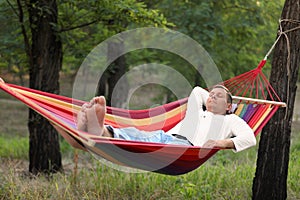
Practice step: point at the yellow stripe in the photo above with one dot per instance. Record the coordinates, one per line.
(239, 109)
(136, 122)
(114, 118)
(263, 117)
(49, 99)
(61, 124)
(146, 121)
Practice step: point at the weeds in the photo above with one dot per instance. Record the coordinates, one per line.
(95, 180)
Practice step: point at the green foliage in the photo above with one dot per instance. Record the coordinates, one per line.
(12, 53)
(248, 31)
(81, 26)
(85, 24)
(236, 33)
(196, 19)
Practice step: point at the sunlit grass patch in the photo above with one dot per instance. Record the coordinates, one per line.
(17, 147)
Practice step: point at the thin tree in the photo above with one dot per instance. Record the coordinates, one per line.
(270, 180)
(112, 75)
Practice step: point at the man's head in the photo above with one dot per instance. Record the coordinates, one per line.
(219, 100)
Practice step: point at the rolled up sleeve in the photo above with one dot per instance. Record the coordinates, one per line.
(243, 136)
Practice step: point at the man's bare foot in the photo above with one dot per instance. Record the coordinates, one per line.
(82, 118)
(95, 116)
(93, 100)
(1, 80)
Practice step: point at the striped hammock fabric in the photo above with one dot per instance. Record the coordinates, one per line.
(162, 158)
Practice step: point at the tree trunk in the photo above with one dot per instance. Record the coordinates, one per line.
(114, 96)
(270, 180)
(46, 51)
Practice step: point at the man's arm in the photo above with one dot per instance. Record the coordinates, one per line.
(197, 99)
(191, 125)
(223, 144)
(243, 136)
(187, 127)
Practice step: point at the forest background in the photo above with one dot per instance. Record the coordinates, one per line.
(237, 35)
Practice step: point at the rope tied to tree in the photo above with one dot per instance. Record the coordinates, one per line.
(288, 64)
(280, 34)
(254, 83)
(283, 33)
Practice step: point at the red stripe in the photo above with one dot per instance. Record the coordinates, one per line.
(274, 109)
(261, 110)
(132, 114)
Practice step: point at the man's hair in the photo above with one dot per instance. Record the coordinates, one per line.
(229, 95)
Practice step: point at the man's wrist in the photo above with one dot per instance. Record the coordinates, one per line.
(226, 143)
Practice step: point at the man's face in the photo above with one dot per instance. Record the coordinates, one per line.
(217, 101)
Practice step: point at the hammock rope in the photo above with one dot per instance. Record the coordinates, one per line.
(281, 33)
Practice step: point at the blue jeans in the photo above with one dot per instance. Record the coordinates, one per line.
(158, 136)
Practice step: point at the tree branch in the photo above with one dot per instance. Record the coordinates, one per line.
(13, 9)
(240, 8)
(78, 26)
(26, 40)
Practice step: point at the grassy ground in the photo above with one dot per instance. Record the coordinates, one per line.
(225, 176)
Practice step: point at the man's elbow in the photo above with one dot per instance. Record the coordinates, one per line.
(253, 141)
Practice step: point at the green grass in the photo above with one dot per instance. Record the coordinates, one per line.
(101, 182)
(294, 168)
(16, 148)
(225, 176)
(13, 117)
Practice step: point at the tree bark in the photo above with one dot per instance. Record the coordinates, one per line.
(270, 180)
(112, 75)
(46, 60)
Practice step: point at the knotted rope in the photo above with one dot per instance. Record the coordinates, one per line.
(288, 65)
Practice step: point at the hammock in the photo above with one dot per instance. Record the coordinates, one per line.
(162, 158)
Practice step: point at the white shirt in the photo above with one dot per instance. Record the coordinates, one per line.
(198, 125)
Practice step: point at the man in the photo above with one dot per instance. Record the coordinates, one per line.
(213, 127)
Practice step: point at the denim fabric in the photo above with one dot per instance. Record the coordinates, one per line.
(158, 136)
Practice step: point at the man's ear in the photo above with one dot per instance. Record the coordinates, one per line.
(229, 107)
